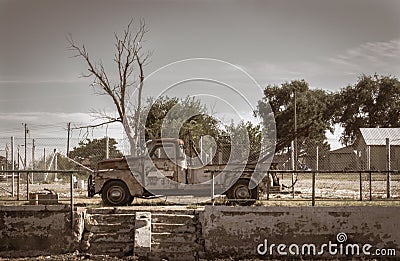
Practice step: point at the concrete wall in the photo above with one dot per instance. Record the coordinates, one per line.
(212, 232)
(38, 230)
(238, 231)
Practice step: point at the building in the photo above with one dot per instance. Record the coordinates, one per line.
(372, 151)
(341, 159)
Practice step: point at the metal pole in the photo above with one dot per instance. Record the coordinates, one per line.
(295, 130)
(107, 147)
(19, 176)
(55, 164)
(44, 164)
(369, 157)
(212, 188)
(12, 167)
(33, 158)
(27, 186)
(313, 189)
(293, 167)
(370, 186)
(317, 167)
(6, 149)
(268, 184)
(44, 158)
(68, 135)
(26, 132)
(361, 186)
(388, 167)
(71, 191)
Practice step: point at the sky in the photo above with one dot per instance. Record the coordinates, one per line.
(327, 43)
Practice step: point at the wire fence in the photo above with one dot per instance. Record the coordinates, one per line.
(51, 153)
(38, 153)
(349, 173)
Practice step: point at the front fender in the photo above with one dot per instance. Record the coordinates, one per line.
(101, 178)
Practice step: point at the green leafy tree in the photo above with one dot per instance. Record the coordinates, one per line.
(239, 133)
(200, 125)
(192, 129)
(374, 101)
(89, 152)
(314, 115)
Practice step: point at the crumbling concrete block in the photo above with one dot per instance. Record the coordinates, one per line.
(142, 245)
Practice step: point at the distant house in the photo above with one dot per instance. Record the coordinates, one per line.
(372, 151)
(341, 159)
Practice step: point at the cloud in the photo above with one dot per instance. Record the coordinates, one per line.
(53, 124)
(368, 58)
(337, 71)
(40, 81)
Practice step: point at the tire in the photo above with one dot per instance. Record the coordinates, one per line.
(241, 194)
(115, 193)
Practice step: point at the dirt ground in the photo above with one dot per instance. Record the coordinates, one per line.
(341, 189)
(77, 256)
(331, 189)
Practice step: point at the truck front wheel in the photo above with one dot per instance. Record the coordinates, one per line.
(241, 194)
(115, 193)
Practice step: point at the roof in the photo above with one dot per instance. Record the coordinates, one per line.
(344, 150)
(377, 136)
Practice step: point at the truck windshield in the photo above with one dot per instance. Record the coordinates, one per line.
(163, 152)
(181, 152)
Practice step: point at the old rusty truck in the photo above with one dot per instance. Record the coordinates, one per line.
(163, 170)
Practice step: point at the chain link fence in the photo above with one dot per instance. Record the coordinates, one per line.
(348, 173)
(18, 153)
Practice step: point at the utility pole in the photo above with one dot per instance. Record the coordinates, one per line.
(68, 137)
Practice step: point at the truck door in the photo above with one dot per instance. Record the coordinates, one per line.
(159, 157)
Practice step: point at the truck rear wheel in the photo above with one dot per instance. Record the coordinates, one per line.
(241, 194)
(115, 193)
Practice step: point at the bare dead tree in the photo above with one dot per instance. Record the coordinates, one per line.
(130, 60)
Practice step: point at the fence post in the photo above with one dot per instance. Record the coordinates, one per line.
(27, 186)
(12, 167)
(313, 189)
(293, 166)
(388, 168)
(44, 164)
(370, 186)
(212, 188)
(19, 174)
(71, 191)
(361, 186)
(107, 147)
(33, 158)
(55, 164)
(268, 184)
